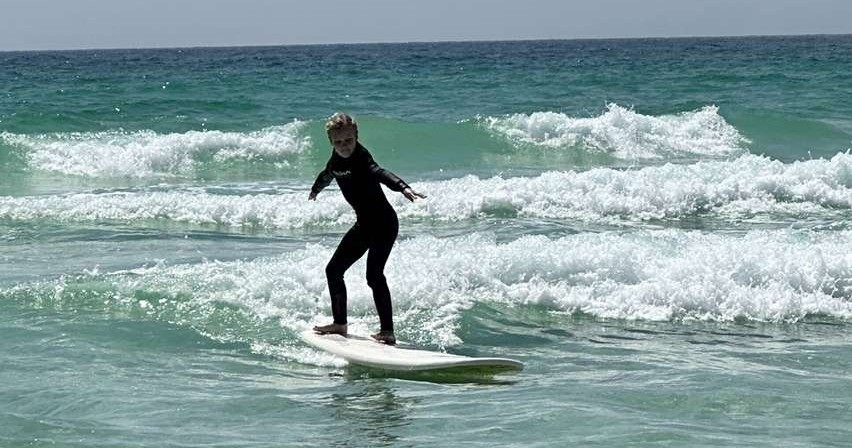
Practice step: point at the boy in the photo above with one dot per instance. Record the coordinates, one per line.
(375, 229)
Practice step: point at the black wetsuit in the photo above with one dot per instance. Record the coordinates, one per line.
(375, 229)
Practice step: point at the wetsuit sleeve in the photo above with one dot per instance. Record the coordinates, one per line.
(384, 176)
(323, 179)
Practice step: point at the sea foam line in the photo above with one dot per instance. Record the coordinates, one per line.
(149, 154)
(624, 133)
(732, 189)
(773, 276)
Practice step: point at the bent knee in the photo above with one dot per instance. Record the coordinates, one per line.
(376, 279)
(333, 272)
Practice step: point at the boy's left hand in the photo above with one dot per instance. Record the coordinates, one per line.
(411, 194)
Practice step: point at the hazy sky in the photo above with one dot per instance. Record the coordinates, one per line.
(63, 24)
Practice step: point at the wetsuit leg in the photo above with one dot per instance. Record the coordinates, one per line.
(381, 243)
(351, 248)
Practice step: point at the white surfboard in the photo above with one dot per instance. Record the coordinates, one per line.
(365, 351)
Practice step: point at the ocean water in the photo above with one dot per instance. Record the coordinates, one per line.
(660, 229)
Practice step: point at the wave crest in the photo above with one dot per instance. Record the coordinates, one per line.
(741, 188)
(774, 276)
(146, 153)
(624, 133)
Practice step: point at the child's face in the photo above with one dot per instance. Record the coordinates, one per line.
(344, 141)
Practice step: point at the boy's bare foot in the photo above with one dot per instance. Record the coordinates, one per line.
(332, 329)
(384, 337)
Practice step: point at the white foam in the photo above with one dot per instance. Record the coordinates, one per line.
(730, 189)
(775, 276)
(765, 275)
(288, 211)
(625, 133)
(146, 153)
(298, 353)
(746, 185)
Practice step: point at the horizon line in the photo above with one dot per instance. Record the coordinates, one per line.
(448, 41)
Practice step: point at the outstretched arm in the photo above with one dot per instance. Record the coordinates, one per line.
(323, 179)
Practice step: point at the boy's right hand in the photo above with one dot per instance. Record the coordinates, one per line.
(312, 196)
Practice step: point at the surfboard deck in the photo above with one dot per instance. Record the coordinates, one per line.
(365, 351)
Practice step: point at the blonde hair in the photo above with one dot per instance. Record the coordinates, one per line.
(339, 121)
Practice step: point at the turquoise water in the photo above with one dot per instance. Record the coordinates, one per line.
(659, 229)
